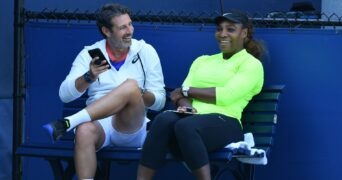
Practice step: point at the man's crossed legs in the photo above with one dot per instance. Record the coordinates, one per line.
(123, 123)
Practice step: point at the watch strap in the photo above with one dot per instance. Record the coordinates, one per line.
(87, 77)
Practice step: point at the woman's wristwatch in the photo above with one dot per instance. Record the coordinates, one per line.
(185, 91)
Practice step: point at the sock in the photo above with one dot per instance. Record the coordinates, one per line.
(76, 119)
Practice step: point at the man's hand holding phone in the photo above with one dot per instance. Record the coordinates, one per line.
(98, 58)
(98, 64)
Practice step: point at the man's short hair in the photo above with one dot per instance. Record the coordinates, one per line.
(107, 12)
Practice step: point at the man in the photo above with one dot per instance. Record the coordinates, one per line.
(119, 89)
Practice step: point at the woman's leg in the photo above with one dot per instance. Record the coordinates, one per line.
(199, 134)
(156, 144)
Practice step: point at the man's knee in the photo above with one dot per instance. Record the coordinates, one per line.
(131, 84)
(131, 87)
(86, 132)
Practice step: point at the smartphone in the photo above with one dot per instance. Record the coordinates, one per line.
(97, 53)
(188, 111)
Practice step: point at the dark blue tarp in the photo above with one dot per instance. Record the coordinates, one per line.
(6, 89)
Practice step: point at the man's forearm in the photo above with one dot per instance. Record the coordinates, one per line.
(81, 84)
(148, 98)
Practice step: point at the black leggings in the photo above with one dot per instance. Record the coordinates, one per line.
(189, 136)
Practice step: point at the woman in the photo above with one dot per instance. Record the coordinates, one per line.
(216, 90)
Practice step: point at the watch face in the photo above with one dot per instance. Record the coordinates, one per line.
(185, 91)
(87, 77)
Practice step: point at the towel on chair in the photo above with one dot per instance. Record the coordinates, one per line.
(253, 155)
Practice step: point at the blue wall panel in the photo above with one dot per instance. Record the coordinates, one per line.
(304, 60)
(6, 88)
(307, 62)
(50, 50)
(5, 139)
(6, 50)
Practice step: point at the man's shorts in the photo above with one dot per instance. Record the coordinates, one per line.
(116, 138)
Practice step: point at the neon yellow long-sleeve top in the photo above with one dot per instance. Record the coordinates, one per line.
(236, 80)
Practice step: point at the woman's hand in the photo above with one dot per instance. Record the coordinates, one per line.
(176, 95)
(186, 109)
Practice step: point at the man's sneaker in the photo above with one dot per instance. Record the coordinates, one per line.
(56, 129)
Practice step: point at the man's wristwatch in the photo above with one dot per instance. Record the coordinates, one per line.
(185, 91)
(87, 77)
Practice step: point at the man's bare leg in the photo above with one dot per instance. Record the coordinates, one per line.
(89, 137)
(202, 173)
(126, 103)
(145, 173)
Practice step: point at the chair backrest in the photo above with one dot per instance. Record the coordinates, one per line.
(260, 116)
